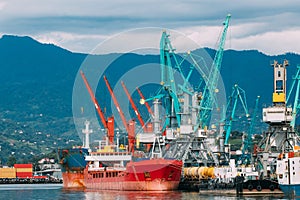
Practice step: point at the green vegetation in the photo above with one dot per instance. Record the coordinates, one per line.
(34, 137)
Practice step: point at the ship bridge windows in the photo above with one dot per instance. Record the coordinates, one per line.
(98, 175)
(112, 174)
(108, 174)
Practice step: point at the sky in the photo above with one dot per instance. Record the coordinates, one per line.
(270, 26)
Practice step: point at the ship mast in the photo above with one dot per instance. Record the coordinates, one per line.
(87, 131)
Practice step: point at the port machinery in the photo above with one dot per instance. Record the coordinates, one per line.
(185, 135)
(280, 135)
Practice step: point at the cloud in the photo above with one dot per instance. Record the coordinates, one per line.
(2, 5)
(272, 43)
(77, 24)
(71, 41)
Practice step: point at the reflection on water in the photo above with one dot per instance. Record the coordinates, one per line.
(30, 186)
(172, 195)
(55, 191)
(129, 195)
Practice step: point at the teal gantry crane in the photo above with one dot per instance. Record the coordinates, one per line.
(296, 105)
(211, 88)
(247, 148)
(237, 94)
(168, 80)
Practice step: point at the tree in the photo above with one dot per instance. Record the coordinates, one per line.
(11, 160)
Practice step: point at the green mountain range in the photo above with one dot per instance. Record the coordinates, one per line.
(37, 83)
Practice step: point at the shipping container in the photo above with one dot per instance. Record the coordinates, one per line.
(7, 173)
(24, 170)
(22, 165)
(24, 175)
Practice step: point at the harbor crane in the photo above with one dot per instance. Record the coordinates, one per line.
(237, 94)
(137, 113)
(130, 127)
(146, 103)
(211, 88)
(280, 135)
(247, 147)
(168, 82)
(296, 105)
(109, 123)
(248, 144)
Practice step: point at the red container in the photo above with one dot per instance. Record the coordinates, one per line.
(22, 165)
(291, 154)
(24, 175)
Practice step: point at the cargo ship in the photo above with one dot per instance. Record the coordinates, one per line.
(114, 168)
(109, 170)
(288, 173)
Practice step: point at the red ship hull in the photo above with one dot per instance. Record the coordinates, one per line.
(145, 175)
(73, 179)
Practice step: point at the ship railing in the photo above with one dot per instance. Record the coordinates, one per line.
(115, 168)
(109, 157)
(92, 168)
(109, 153)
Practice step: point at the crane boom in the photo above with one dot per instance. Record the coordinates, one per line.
(293, 84)
(109, 123)
(168, 80)
(116, 104)
(211, 89)
(236, 94)
(248, 145)
(134, 107)
(296, 100)
(96, 104)
(146, 103)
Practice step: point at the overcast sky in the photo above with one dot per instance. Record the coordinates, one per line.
(270, 26)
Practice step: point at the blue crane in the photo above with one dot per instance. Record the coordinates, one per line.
(296, 105)
(237, 94)
(167, 79)
(211, 88)
(247, 143)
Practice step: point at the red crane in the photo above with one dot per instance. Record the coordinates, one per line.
(149, 124)
(108, 124)
(130, 129)
(146, 103)
(134, 107)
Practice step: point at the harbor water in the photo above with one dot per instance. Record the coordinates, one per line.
(55, 191)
